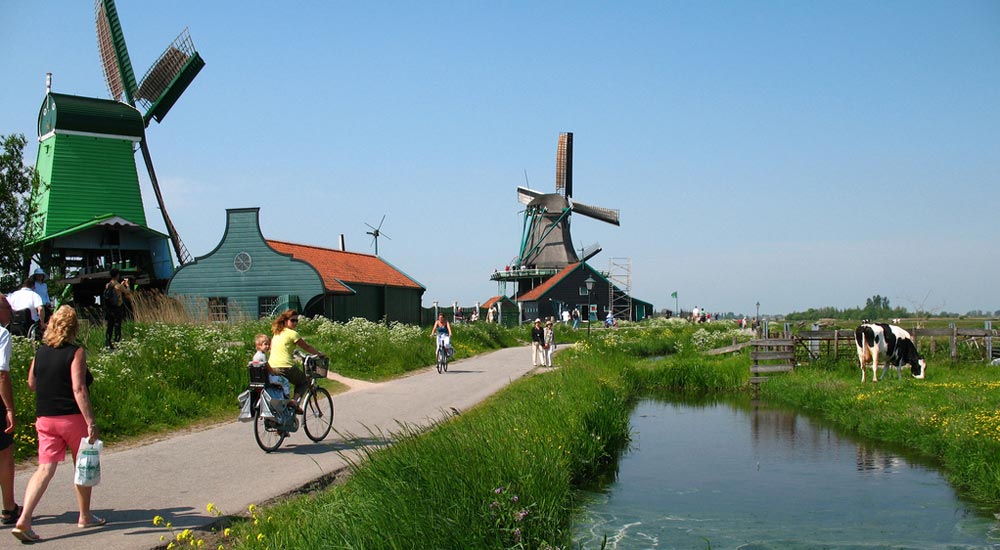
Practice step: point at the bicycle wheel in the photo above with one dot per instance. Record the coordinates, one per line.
(268, 437)
(441, 357)
(35, 332)
(445, 365)
(318, 417)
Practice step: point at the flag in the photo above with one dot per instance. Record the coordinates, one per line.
(674, 295)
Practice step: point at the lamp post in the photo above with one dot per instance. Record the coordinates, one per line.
(435, 311)
(589, 281)
(757, 318)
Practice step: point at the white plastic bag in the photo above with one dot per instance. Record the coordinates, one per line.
(88, 463)
(246, 413)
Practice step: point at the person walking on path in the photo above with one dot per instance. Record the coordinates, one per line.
(576, 318)
(11, 511)
(549, 343)
(61, 381)
(537, 341)
(114, 310)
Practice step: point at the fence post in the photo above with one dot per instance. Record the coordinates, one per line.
(953, 341)
(989, 341)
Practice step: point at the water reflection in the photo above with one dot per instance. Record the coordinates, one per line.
(742, 475)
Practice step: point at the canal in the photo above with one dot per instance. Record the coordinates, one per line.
(734, 475)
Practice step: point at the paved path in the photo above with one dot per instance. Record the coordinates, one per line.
(177, 477)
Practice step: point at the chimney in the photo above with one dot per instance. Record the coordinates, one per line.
(343, 247)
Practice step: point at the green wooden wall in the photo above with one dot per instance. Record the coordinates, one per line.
(83, 177)
(270, 274)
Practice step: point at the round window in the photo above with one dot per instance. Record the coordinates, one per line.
(242, 262)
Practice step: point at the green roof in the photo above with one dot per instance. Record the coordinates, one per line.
(71, 113)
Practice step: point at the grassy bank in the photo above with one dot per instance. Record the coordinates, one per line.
(167, 376)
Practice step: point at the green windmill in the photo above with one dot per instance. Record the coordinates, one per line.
(89, 212)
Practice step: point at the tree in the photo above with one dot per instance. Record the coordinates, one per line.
(16, 212)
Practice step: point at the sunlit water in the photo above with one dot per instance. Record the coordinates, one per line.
(726, 476)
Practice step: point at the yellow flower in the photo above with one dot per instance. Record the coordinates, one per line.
(211, 508)
(226, 532)
(158, 520)
(260, 537)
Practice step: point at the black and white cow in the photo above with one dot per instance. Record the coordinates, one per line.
(874, 339)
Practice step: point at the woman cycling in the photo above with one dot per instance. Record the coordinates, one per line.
(443, 330)
(283, 344)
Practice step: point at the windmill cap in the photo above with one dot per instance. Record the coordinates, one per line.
(39, 271)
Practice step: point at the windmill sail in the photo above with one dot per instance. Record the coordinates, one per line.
(114, 55)
(564, 165)
(609, 215)
(167, 79)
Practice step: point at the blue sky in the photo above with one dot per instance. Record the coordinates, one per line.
(799, 154)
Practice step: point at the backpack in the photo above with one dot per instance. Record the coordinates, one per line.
(111, 298)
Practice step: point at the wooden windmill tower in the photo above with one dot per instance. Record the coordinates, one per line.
(546, 243)
(90, 216)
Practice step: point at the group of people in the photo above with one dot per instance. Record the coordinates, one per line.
(571, 315)
(543, 343)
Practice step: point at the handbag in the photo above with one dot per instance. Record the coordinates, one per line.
(88, 463)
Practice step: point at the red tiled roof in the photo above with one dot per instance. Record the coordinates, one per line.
(339, 269)
(537, 292)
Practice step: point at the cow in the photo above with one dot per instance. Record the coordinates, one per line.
(874, 339)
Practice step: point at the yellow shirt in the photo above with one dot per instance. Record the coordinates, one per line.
(282, 346)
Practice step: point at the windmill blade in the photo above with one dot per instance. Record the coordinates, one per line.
(114, 54)
(564, 165)
(609, 215)
(167, 79)
(525, 195)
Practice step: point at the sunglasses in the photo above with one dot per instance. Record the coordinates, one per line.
(294, 319)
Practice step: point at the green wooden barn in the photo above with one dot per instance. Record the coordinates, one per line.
(248, 276)
(89, 212)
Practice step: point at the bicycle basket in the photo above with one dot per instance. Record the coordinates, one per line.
(317, 366)
(258, 374)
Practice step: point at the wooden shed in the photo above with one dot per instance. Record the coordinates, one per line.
(247, 275)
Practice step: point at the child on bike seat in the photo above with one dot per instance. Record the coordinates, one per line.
(263, 344)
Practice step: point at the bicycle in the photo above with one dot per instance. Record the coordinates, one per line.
(274, 418)
(442, 356)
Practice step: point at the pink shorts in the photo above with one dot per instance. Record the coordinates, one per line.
(56, 434)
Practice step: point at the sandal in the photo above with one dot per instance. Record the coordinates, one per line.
(25, 535)
(10, 517)
(94, 522)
